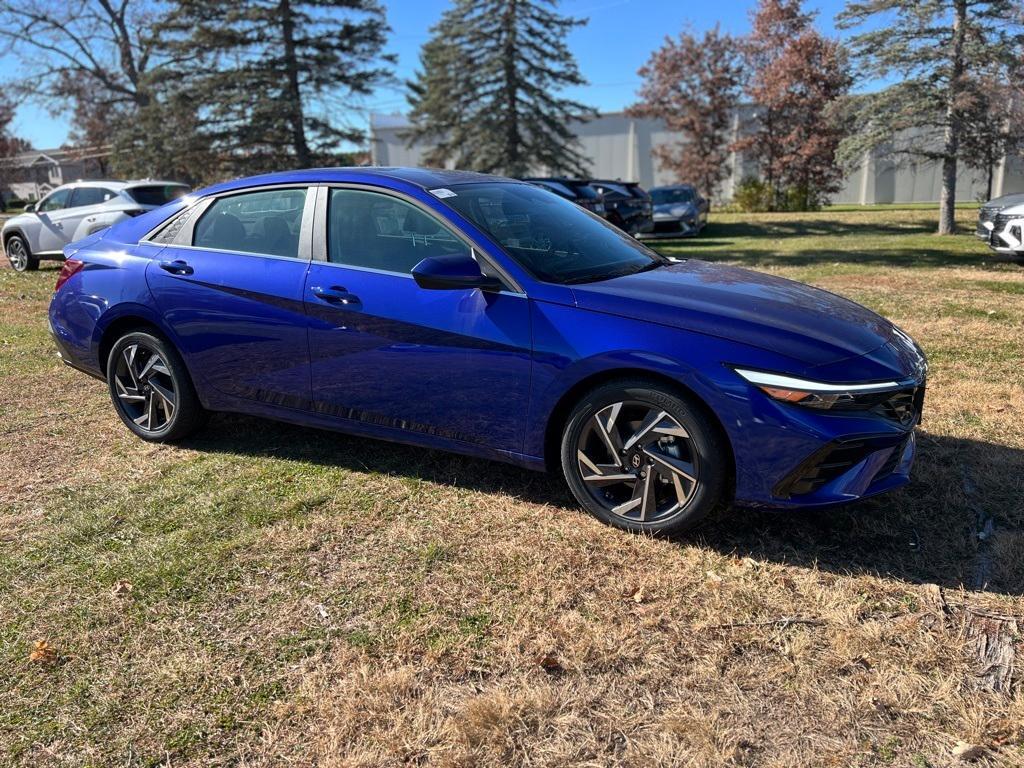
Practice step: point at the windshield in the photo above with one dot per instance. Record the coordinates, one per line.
(157, 194)
(551, 238)
(672, 195)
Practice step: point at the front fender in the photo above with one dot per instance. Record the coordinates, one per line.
(572, 346)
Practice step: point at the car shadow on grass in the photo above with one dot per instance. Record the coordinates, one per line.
(926, 532)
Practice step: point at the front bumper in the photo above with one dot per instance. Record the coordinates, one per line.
(790, 456)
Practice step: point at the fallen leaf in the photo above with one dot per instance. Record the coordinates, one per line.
(122, 588)
(713, 577)
(549, 663)
(43, 653)
(965, 751)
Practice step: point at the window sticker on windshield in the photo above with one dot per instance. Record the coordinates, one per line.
(442, 193)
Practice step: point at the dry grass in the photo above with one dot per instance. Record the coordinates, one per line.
(305, 598)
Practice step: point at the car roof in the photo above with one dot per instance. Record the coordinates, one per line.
(425, 178)
(674, 186)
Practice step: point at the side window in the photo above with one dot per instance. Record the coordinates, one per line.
(82, 196)
(368, 229)
(265, 222)
(56, 201)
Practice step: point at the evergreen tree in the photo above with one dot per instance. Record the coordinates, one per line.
(932, 48)
(273, 74)
(692, 85)
(487, 97)
(796, 78)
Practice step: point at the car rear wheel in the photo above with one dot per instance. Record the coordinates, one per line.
(19, 255)
(151, 389)
(642, 458)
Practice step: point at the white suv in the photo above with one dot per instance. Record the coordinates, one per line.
(74, 211)
(1001, 224)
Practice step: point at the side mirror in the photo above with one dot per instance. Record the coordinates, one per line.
(451, 273)
(30, 208)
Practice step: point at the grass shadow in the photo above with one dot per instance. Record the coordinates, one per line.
(924, 533)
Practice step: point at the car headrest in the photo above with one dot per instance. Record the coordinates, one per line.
(419, 223)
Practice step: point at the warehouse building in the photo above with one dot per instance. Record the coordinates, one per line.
(620, 147)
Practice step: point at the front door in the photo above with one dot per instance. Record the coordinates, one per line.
(233, 295)
(450, 363)
(54, 212)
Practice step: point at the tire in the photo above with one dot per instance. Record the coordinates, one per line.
(665, 443)
(19, 255)
(151, 389)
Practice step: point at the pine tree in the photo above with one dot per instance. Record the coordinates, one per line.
(692, 85)
(932, 48)
(272, 75)
(796, 78)
(488, 94)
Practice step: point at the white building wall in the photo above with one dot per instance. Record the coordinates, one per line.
(621, 147)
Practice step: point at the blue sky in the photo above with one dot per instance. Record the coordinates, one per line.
(617, 40)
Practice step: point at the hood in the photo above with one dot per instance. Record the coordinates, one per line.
(667, 209)
(807, 324)
(1006, 201)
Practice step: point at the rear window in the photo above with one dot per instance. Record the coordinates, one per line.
(557, 187)
(157, 194)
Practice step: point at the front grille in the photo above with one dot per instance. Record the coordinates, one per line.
(987, 214)
(1000, 223)
(667, 226)
(901, 406)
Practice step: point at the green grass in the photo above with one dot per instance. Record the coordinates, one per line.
(306, 597)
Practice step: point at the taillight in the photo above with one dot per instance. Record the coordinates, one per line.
(71, 267)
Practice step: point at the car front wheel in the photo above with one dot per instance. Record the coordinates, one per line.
(643, 458)
(19, 255)
(151, 388)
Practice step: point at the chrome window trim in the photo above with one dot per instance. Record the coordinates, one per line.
(511, 288)
(183, 239)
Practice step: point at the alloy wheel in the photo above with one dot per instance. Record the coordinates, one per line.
(638, 462)
(17, 254)
(145, 388)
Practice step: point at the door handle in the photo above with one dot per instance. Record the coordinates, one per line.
(335, 295)
(177, 267)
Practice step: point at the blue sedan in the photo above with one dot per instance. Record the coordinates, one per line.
(489, 317)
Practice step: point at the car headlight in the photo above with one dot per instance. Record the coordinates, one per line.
(817, 394)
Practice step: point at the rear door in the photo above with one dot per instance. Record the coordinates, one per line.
(230, 287)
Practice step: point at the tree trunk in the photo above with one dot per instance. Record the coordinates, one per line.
(954, 126)
(303, 157)
(991, 168)
(513, 162)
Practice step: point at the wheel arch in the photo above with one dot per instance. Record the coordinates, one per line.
(559, 415)
(9, 233)
(121, 319)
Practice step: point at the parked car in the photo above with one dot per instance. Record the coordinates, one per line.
(679, 211)
(629, 207)
(1001, 224)
(74, 211)
(577, 190)
(485, 316)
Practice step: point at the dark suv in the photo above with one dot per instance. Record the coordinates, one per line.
(577, 190)
(628, 206)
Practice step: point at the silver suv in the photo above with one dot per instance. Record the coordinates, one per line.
(76, 210)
